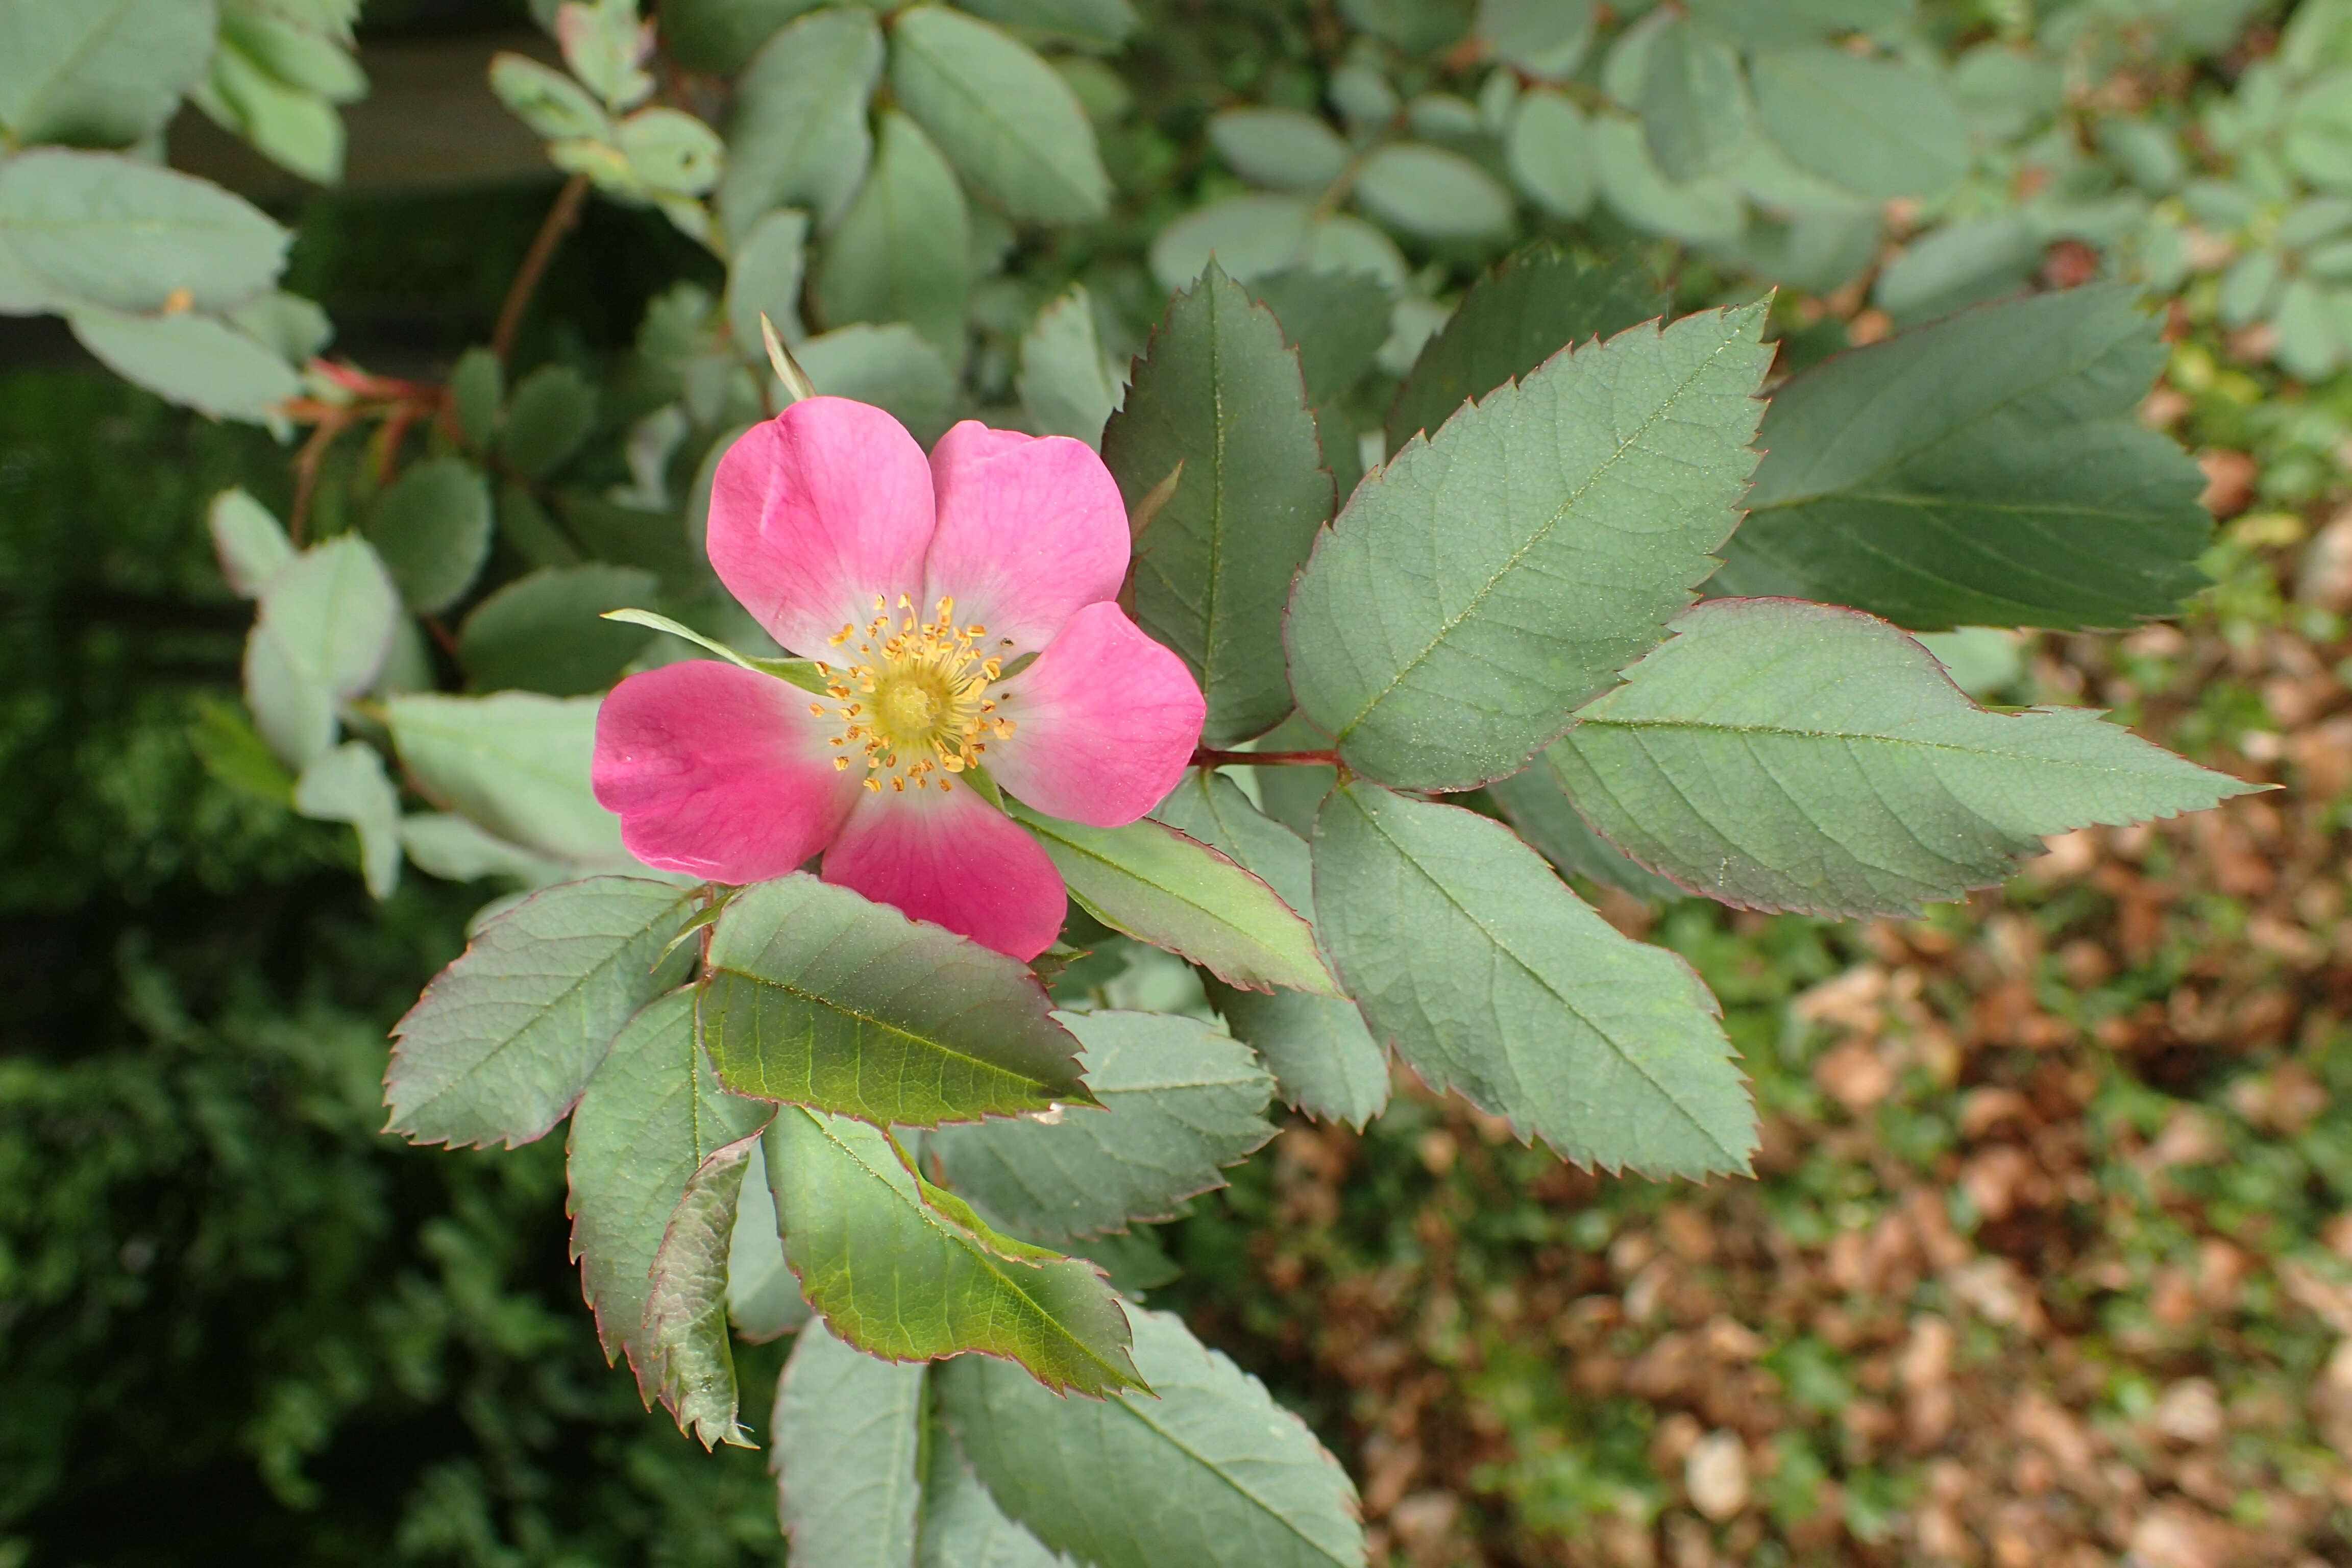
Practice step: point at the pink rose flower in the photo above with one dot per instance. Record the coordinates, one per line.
(921, 588)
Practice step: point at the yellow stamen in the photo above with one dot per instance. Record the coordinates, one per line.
(915, 697)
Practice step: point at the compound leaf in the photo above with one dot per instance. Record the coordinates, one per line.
(798, 136)
(849, 1437)
(1004, 115)
(115, 231)
(690, 1363)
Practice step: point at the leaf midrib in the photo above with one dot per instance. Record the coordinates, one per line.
(986, 112)
(938, 1047)
(1142, 1418)
(1790, 732)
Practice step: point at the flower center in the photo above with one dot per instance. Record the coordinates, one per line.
(913, 702)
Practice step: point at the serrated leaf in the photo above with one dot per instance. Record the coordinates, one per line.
(1066, 386)
(763, 1299)
(1001, 113)
(899, 1268)
(550, 414)
(99, 73)
(1210, 1472)
(349, 785)
(1694, 102)
(1218, 391)
(1432, 193)
(902, 252)
(1985, 470)
(798, 136)
(1287, 149)
(544, 632)
(690, 1362)
(1880, 128)
(1490, 977)
(193, 361)
(891, 366)
(1493, 577)
(1539, 301)
(962, 1526)
(120, 232)
(1775, 755)
(1337, 321)
(432, 528)
(1537, 804)
(848, 1442)
(1548, 147)
(652, 1113)
(515, 764)
(506, 1037)
(1155, 884)
(1179, 1101)
(815, 996)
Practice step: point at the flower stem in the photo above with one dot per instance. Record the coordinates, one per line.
(1209, 757)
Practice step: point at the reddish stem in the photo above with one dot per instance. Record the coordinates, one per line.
(560, 218)
(1209, 757)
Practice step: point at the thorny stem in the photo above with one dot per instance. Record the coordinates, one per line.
(559, 221)
(1209, 757)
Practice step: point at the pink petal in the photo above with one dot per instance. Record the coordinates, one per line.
(717, 771)
(814, 512)
(1105, 722)
(955, 860)
(1030, 530)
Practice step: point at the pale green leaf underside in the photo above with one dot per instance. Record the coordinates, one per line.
(894, 1269)
(504, 1039)
(816, 996)
(1212, 1472)
(691, 1362)
(1180, 1100)
(848, 1434)
(962, 1526)
(1496, 575)
(515, 763)
(1777, 754)
(1489, 976)
(1536, 804)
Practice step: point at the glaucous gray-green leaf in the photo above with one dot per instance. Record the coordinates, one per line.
(1218, 392)
(1754, 26)
(815, 996)
(1337, 321)
(1704, 211)
(764, 276)
(444, 845)
(1537, 805)
(1156, 884)
(515, 764)
(891, 366)
(1694, 102)
(1179, 1101)
(962, 1526)
(1493, 577)
(630, 535)
(99, 73)
(544, 632)
(1066, 386)
(1548, 147)
(323, 633)
(652, 1113)
(1325, 1061)
(1984, 470)
(1210, 1472)
(248, 540)
(432, 526)
(1267, 231)
(349, 785)
(1781, 755)
(477, 394)
(670, 150)
(798, 136)
(1544, 39)
(1880, 128)
(115, 231)
(1000, 113)
(1432, 193)
(901, 251)
(290, 326)
(289, 124)
(763, 1299)
(1287, 149)
(506, 1037)
(193, 361)
(689, 1360)
(1539, 301)
(550, 414)
(897, 1267)
(1103, 23)
(718, 36)
(848, 1444)
(1490, 977)
(547, 100)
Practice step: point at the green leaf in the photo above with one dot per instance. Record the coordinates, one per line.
(651, 1115)
(1218, 392)
(1544, 39)
(1251, 235)
(544, 632)
(897, 1267)
(1491, 978)
(763, 1299)
(551, 413)
(1985, 470)
(432, 528)
(1539, 301)
(891, 366)
(1066, 386)
(849, 1438)
(195, 360)
(549, 102)
(1537, 804)
(1337, 321)
(349, 785)
(515, 764)
(478, 391)
(1549, 149)
(1104, 24)
(1180, 1100)
(323, 632)
(504, 1039)
(1430, 192)
(798, 136)
(764, 279)
(1211, 1471)
(1006, 118)
(251, 545)
(1780, 755)
(1489, 580)
(901, 253)
(1881, 128)
(636, 536)
(1694, 102)
(1325, 1061)
(718, 37)
(1159, 886)
(1287, 149)
(99, 73)
(232, 751)
(294, 128)
(114, 231)
(449, 847)
(962, 1526)
(815, 996)
(671, 151)
(1754, 26)
(292, 328)
(690, 1362)
(1704, 211)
